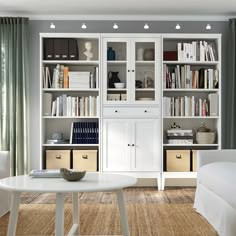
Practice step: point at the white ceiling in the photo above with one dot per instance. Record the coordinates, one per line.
(123, 8)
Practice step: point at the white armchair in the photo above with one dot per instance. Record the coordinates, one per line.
(5, 197)
(215, 197)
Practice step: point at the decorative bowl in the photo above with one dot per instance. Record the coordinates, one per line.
(70, 175)
(119, 85)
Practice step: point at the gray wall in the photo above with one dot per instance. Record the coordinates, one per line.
(37, 27)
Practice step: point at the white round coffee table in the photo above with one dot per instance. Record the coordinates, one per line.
(92, 182)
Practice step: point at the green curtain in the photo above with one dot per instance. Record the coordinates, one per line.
(229, 140)
(14, 82)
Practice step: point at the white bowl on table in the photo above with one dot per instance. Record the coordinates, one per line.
(119, 85)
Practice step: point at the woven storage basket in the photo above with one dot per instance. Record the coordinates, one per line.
(205, 137)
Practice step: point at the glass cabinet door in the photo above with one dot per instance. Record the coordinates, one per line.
(116, 68)
(145, 85)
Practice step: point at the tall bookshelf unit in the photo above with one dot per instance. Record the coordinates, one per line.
(133, 120)
(193, 57)
(72, 96)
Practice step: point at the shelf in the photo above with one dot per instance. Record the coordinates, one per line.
(143, 63)
(191, 90)
(190, 145)
(68, 62)
(115, 89)
(116, 62)
(191, 117)
(70, 145)
(179, 174)
(70, 117)
(145, 89)
(192, 62)
(70, 90)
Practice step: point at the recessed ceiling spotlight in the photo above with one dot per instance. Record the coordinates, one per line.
(177, 27)
(84, 26)
(146, 26)
(115, 26)
(208, 26)
(52, 26)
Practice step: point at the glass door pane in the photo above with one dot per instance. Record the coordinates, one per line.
(145, 71)
(116, 72)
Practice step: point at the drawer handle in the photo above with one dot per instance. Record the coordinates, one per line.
(85, 156)
(145, 111)
(178, 156)
(57, 56)
(116, 111)
(58, 156)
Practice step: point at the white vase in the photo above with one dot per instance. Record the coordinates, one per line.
(140, 54)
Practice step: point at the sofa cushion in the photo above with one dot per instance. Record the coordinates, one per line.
(220, 178)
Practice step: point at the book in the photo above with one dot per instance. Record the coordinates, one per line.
(45, 173)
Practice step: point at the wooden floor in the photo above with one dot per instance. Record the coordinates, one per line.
(132, 195)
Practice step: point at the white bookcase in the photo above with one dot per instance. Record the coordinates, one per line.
(133, 120)
(62, 123)
(196, 61)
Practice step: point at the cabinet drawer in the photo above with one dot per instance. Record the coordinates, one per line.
(130, 111)
(56, 159)
(85, 160)
(178, 160)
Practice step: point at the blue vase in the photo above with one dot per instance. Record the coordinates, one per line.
(111, 54)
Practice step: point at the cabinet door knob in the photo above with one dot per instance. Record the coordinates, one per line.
(145, 111)
(116, 111)
(132, 70)
(85, 156)
(58, 156)
(132, 145)
(178, 156)
(128, 70)
(128, 144)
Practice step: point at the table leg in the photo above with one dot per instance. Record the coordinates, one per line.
(76, 212)
(123, 215)
(59, 225)
(15, 202)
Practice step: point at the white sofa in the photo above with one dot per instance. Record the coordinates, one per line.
(5, 197)
(215, 197)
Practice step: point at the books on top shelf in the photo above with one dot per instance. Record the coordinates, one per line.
(74, 106)
(84, 133)
(183, 77)
(196, 51)
(62, 77)
(190, 106)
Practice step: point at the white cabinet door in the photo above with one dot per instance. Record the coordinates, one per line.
(116, 138)
(146, 145)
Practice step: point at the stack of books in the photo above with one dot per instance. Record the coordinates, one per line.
(79, 79)
(179, 136)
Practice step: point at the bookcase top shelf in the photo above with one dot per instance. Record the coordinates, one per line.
(70, 90)
(71, 62)
(190, 90)
(192, 62)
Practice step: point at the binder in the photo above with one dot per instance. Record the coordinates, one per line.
(73, 51)
(48, 49)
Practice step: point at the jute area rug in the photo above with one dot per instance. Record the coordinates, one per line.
(103, 219)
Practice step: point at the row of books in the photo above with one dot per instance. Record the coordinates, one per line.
(70, 106)
(196, 51)
(84, 133)
(183, 77)
(190, 106)
(62, 77)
